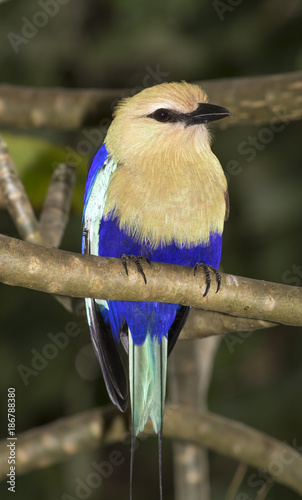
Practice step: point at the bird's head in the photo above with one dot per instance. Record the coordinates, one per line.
(169, 118)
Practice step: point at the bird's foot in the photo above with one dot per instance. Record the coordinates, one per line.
(137, 259)
(206, 271)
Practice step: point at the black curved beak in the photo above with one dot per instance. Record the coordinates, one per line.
(207, 112)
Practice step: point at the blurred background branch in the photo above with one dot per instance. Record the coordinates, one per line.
(55, 213)
(15, 198)
(56, 208)
(253, 100)
(190, 372)
(50, 229)
(55, 442)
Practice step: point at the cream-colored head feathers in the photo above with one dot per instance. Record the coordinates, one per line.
(132, 130)
(169, 185)
(182, 97)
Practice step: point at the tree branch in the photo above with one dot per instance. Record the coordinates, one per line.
(252, 100)
(16, 199)
(208, 323)
(238, 441)
(56, 271)
(54, 217)
(190, 371)
(55, 442)
(56, 208)
(258, 99)
(51, 228)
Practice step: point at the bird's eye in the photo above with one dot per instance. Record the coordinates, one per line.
(162, 115)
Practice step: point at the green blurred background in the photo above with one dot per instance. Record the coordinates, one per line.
(92, 43)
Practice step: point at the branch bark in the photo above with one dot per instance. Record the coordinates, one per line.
(58, 441)
(50, 230)
(190, 371)
(54, 217)
(252, 100)
(259, 99)
(56, 208)
(64, 273)
(16, 199)
(208, 323)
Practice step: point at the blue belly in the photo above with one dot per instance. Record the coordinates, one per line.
(153, 317)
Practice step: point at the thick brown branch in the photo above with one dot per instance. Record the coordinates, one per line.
(58, 441)
(65, 273)
(252, 100)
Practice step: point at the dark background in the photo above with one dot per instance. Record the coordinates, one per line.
(257, 378)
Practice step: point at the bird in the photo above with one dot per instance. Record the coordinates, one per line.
(155, 192)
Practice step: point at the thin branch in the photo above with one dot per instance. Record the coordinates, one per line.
(49, 231)
(55, 442)
(252, 100)
(236, 482)
(261, 495)
(56, 208)
(64, 273)
(54, 217)
(16, 199)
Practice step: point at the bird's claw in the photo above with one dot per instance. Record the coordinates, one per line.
(136, 259)
(206, 271)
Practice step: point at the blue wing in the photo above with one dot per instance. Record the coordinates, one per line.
(100, 317)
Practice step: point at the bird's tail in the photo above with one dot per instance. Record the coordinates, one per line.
(147, 374)
(147, 377)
